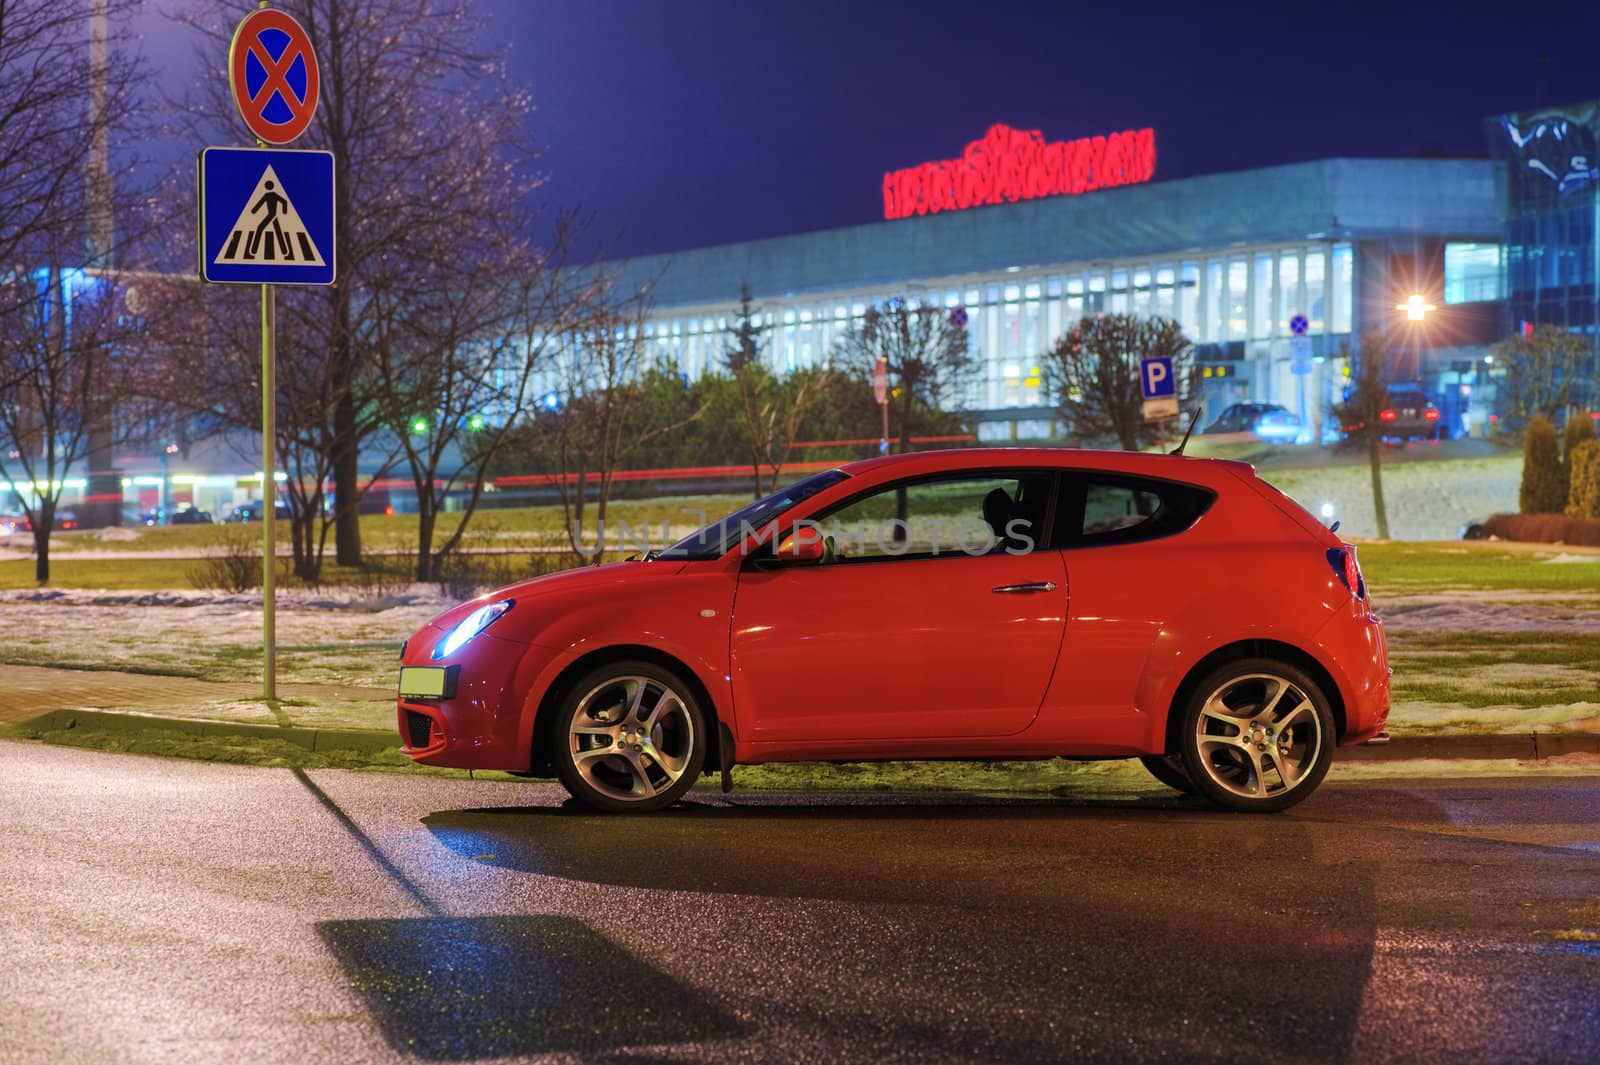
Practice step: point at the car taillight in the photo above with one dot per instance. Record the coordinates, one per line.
(1386, 416)
(1343, 561)
(1430, 415)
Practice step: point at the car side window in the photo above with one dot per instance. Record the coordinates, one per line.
(1099, 508)
(1112, 507)
(974, 514)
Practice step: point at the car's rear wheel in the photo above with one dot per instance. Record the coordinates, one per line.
(628, 737)
(1257, 735)
(1168, 768)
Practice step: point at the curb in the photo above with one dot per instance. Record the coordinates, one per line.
(1526, 746)
(365, 741)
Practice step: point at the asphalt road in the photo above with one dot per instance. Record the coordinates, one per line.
(168, 911)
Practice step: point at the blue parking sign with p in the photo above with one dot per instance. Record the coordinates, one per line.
(1156, 376)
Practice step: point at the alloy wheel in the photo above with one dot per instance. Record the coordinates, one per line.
(632, 738)
(1259, 736)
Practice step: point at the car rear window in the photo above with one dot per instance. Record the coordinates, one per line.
(1114, 508)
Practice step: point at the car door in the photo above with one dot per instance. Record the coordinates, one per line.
(923, 624)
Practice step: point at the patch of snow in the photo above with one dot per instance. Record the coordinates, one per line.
(1565, 557)
(1470, 612)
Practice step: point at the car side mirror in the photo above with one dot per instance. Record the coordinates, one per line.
(801, 549)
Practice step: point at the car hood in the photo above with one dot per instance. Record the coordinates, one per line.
(570, 582)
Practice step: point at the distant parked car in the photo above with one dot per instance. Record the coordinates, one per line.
(1410, 415)
(189, 516)
(1269, 421)
(66, 520)
(251, 511)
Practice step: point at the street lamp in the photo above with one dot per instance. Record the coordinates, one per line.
(1416, 309)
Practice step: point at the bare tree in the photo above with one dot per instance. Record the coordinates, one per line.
(930, 366)
(63, 322)
(51, 110)
(456, 362)
(64, 337)
(202, 351)
(1093, 371)
(1358, 415)
(601, 417)
(1540, 371)
(428, 138)
(771, 409)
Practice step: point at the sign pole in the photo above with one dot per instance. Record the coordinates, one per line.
(286, 246)
(269, 489)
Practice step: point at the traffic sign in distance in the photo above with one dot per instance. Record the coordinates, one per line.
(1300, 355)
(266, 216)
(1155, 374)
(880, 380)
(1298, 325)
(272, 73)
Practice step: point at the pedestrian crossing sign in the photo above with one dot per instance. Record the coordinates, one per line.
(266, 216)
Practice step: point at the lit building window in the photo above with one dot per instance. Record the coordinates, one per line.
(1261, 303)
(1342, 289)
(1471, 273)
(1189, 298)
(1290, 302)
(1238, 312)
(1316, 297)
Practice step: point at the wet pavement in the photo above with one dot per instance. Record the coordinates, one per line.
(175, 911)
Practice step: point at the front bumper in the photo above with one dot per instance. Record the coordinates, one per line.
(488, 722)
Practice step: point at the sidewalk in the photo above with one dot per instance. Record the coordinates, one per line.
(314, 716)
(322, 716)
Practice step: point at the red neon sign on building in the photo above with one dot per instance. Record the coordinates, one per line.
(1008, 165)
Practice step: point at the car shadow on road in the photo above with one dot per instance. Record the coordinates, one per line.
(941, 854)
(464, 988)
(1091, 900)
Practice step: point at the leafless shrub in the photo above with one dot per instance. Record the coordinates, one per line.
(234, 566)
(382, 576)
(482, 565)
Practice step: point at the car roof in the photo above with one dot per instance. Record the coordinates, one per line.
(1149, 464)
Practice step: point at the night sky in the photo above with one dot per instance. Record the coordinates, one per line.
(682, 124)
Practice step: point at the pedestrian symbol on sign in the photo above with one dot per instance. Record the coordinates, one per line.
(269, 230)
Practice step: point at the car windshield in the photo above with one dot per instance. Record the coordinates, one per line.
(716, 538)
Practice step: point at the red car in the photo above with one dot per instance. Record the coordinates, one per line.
(987, 603)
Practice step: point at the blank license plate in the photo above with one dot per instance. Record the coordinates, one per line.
(428, 682)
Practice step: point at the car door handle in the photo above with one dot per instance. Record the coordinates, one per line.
(1032, 586)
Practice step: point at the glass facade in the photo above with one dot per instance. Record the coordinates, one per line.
(1549, 272)
(1235, 306)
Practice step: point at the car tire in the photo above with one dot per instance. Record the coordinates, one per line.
(1168, 768)
(1257, 735)
(628, 737)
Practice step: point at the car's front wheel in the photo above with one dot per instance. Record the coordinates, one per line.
(1258, 735)
(628, 737)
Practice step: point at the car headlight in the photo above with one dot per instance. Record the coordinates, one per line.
(470, 626)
